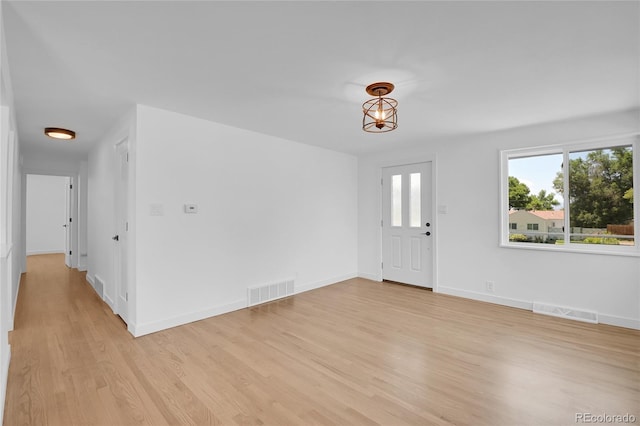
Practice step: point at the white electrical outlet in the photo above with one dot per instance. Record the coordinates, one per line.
(490, 286)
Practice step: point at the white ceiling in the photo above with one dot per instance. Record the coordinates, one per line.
(298, 70)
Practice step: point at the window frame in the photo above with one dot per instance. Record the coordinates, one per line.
(630, 139)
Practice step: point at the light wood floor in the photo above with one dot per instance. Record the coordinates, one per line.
(355, 353)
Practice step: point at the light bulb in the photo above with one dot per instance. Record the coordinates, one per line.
(57, 135)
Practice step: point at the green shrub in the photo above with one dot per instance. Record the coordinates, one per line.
(521, 238)
(601, 240)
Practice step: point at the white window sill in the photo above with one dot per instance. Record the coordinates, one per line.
(630, 251)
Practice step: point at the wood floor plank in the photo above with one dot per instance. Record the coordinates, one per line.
(354, 353)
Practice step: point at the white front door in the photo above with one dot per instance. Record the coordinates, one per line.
(122, 228)
(407, 231)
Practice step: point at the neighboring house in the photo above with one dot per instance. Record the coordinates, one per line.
(540, 222)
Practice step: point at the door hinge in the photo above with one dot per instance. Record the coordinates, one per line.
(70, 252)
(127, 157)
(381, 265)
(381, 181)
(70, 186)
(70, 219)
(126, 296)
(126, 226)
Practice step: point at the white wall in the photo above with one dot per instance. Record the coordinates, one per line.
(10, 215)
(46, 213)
(47, 163)
(269, 209)
(83, 194)
(468, 181)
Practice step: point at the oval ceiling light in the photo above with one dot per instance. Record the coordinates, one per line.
(58, 133)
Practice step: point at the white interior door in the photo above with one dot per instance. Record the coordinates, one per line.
(407, 232)
(122, 227)
(67, 223)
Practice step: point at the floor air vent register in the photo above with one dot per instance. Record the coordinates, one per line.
(564, 312)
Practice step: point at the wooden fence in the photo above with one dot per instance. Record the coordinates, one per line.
(620, 229)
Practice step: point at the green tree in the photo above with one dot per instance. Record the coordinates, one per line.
(628, 195)
(600, 187)
(542, 201)
(518, 194)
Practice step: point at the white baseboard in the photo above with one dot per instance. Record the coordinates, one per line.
(109, 301)
(35, 252)
(619, 321)
(15, 303)
(82, 263)
(322, 283)
(90, 280)
(483, 297)
(155, 326)
(4, 377)
(522, 304)
(372, 277)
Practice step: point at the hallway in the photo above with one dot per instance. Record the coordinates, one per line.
(357, 352)
(65, 347)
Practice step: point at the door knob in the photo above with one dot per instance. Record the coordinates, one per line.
(116, 238)
(427, 233)
(427, 224)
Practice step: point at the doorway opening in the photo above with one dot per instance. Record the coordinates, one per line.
(49, 216)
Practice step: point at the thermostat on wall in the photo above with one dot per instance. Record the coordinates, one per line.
(191, 208)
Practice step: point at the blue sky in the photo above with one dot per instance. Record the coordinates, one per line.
(537, 172)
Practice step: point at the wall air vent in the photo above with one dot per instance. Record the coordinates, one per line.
(99, 286)
(268, 292)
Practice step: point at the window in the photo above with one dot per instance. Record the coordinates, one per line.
(574, 197)
(396, 200)
(414, 201)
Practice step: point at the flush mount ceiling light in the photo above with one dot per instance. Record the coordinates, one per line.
(380, 114)
(58, 133)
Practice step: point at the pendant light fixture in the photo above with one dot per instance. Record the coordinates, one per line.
(380, 113)
(58, 133)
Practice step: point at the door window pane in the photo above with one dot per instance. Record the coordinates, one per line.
(396, 200)
(414, 201)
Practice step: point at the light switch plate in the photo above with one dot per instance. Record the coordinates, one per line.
(156, 210)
